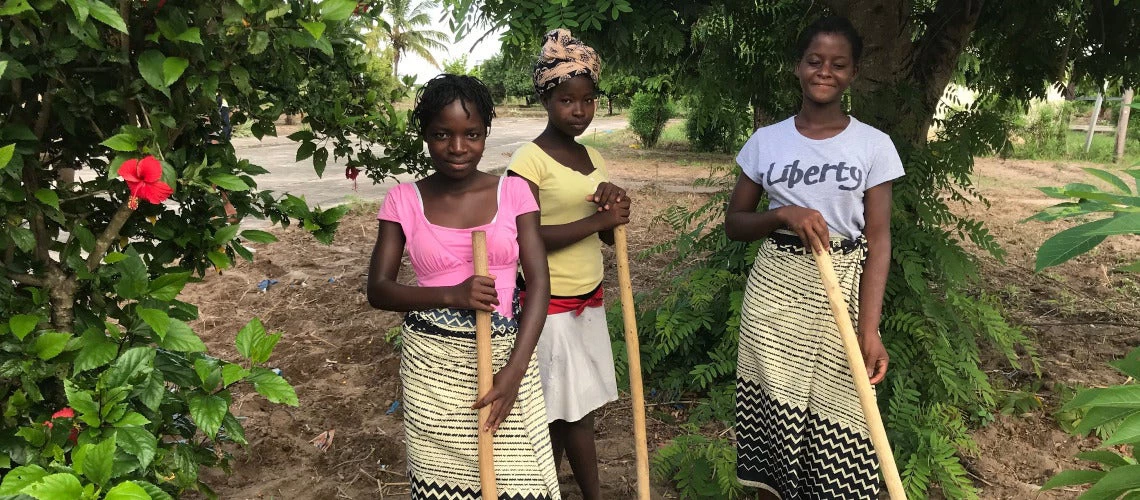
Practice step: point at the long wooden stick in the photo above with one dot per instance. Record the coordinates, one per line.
(486, 377)
(633, 352)
(859, 375)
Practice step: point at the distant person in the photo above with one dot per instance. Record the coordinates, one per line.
(580, 208)
(800, 429)
(434, 218)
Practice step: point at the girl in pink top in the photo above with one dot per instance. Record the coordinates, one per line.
(433, 218)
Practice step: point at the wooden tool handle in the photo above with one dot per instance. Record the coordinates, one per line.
(633, 352)
(859, 375)
(486, 375)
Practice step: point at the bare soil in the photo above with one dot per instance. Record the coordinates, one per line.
(1082, 314)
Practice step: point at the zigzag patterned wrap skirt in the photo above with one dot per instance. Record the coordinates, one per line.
(438, 371)
(800, 429)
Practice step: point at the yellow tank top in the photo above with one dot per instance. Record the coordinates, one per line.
(577, 268)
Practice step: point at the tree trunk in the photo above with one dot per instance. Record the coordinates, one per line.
(901, 80)
(1122, 125)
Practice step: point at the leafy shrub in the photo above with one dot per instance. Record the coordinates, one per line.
(1044, 130)
(647, 116)
(717, 124)
(1122, 207)
(106, 391)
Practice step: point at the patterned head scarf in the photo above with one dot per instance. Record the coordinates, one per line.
(563, 57)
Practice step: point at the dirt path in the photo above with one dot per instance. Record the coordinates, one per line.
(334, 349)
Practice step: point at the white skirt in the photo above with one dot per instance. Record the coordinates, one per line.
(576, 364)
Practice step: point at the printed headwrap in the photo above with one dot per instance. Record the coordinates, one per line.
(563, 57)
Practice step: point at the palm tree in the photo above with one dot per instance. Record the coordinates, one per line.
(398, 29)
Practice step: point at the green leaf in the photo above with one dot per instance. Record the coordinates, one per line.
(131, 364)
(168, 286)
(258, 236)
(225, 234)
(1072, 477)
(219, 259)
(248, 336)
(121, 142)
(337, 10)
(55, 486)
(208, 373)
(48, 197)
(229, 181)
(1069, 243)
(13, 7)
(3, 68)
(83, 403)
(6, 153)
(155, 319)
(192, 35)
(24, 238)
(1128, 432)
(107, 15)
(127, 490)
(320, 161)
(258, 41)
(131, 419)
(1104, 457)
(21, 477)
(305, 150)
(180, 337)
(1114, 483)
(172, 69)
(315, 29)
(49, 344)
(151, 390)
(240, 77)
(23, 324)
(150, 67)
(232, 427)
(263, 348)
(155, 492)
(232, 373)
(98, 461)
(1120, 396)
(1110, 178)
(133, 279)
(208, 410)
(95, 350)
(273, 387)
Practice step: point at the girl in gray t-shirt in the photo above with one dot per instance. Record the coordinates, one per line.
(800, 429)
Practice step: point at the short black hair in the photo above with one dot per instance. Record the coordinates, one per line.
(441, 91)
(830, 24)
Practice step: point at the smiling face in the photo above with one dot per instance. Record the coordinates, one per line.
(456, 138)
(826, 68)
(570, 106)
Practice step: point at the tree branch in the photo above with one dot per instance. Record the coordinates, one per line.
(27, 279)
(935, 55)
(103, 242)
(44, 117)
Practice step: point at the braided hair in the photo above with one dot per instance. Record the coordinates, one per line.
(441, 91)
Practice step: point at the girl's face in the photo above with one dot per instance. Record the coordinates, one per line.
(826, 68)
(570, 105)
(455, 139)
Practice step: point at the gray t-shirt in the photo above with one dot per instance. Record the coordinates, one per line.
(828, 175)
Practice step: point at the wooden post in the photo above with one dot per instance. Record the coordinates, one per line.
(633, 352)
(1122, 125)
(485, 377)
(859, 375)
(1092, 120)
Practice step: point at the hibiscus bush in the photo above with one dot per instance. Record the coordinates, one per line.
(117, 189)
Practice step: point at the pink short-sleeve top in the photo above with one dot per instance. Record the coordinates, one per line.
(442, 256)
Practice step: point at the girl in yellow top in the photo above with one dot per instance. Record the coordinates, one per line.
(578, 209)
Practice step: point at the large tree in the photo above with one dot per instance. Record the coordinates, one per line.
(738, 54)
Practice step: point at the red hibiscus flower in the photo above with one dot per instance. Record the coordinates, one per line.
(351, 173)
(66, 412)
(143, 178)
